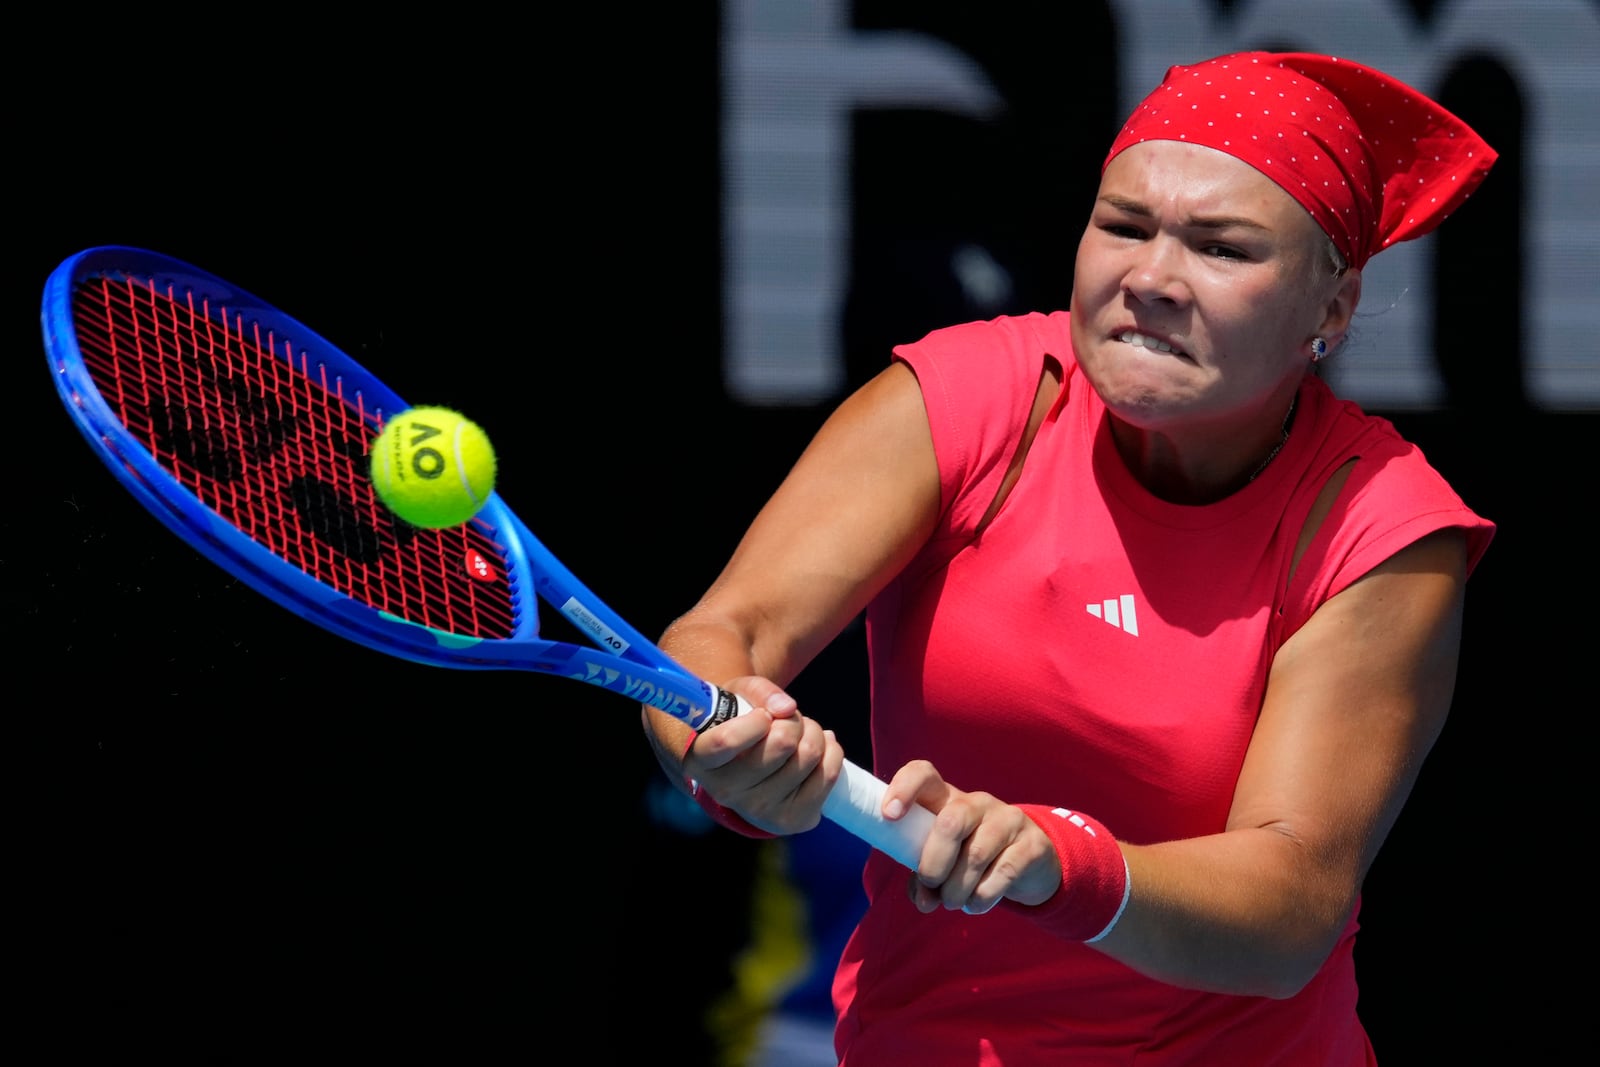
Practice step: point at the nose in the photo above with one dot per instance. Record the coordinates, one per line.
(1156, 273)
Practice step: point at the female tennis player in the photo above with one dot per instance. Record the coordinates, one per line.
(1159, 627)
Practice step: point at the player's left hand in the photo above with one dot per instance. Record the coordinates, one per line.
(981, 851)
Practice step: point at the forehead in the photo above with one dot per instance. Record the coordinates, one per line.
(1194, 180)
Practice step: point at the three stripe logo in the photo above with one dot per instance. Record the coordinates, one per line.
(1118, 612)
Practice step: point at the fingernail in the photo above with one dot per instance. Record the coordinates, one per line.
(781, 702)
(894, 809)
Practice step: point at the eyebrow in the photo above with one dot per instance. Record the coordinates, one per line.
(1204, 222)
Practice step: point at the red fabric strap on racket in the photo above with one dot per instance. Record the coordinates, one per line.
(1094, 876)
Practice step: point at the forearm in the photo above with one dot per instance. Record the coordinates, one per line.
(1245, 912)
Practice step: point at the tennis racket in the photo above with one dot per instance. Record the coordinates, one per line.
(247, 435)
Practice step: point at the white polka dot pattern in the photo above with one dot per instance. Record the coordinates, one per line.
(1373, 160)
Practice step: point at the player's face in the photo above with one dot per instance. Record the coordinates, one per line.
(1199, 284)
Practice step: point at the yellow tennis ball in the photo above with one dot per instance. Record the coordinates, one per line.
(433, 467)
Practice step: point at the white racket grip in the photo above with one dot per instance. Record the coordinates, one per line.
(856, 803)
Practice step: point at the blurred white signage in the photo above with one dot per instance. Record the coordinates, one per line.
(792, 73)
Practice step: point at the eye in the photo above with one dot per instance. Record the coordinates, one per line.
(1224, 252)
(1123, 229)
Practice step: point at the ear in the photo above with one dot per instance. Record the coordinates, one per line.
(1341, 308)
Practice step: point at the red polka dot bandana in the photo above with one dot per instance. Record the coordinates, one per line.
(1373, 160)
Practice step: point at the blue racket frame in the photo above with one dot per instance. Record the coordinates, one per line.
(656, 679)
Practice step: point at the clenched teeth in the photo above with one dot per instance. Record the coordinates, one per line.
(1139, 340)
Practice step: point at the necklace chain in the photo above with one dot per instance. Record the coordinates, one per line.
(1288, 420)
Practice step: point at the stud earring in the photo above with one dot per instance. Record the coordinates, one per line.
(1319, 349)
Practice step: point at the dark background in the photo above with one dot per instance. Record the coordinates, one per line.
(241, 835)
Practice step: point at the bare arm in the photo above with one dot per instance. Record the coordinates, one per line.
(854, 509)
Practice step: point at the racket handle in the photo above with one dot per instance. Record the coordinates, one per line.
(856, 803)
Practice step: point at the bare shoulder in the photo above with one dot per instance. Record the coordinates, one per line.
(875, 447)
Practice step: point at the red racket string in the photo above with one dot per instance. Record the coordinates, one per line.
(262, 437)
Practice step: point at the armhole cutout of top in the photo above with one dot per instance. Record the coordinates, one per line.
(1044, 398)
(1319, 511)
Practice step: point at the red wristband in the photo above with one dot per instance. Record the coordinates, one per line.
(1094, 876)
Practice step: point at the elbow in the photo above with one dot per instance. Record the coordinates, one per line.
(1294, 957)
(1276, 963)
(1242, 970)
(1297, 934)
(1275, 974)
(1289, 983)
(1280, 953)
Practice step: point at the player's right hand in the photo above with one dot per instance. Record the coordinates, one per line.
(772, 765)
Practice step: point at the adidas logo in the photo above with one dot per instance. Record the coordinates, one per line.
(1074, 819)
(1118, 613)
